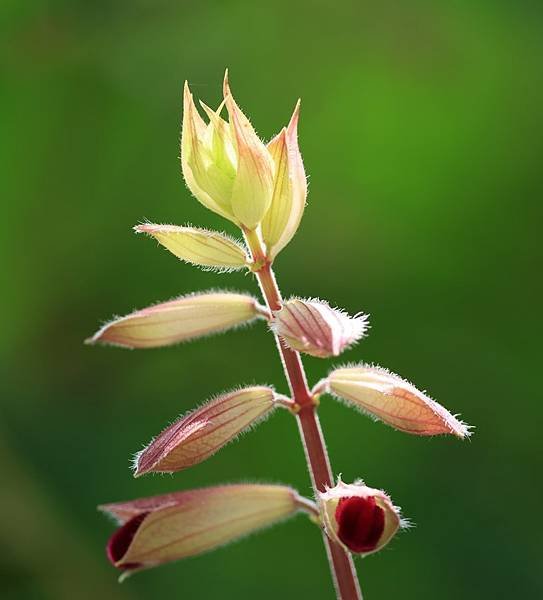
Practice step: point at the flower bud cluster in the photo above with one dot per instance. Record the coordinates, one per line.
(233, 173)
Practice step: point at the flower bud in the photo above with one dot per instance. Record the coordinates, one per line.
(197, 436)
(393, 400)
(225, 165)
(313, 327)
(184, 318)
(289, 189)
(199, 246)
(360, 518)
(165, 528)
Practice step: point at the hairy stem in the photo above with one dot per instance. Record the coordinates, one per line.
(341, 564)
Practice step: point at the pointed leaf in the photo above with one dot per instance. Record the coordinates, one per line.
(393, 400)
(198, 246)
(178, 320)
(198, 435)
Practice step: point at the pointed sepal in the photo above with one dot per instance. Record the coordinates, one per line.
(253, 184)
(289, 189)
(207, 160)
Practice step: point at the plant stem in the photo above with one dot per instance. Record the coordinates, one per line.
(341, 563)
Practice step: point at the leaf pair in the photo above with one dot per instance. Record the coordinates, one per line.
(195, 437)
(200, 434)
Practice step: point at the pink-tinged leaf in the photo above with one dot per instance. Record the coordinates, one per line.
(165, 528)
(360, 518)
(393, 400)
(313, 327)
(197, 436)
(179, 320)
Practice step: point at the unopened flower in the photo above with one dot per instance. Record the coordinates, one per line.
(392, 400)
(225, 164)
(360, 518)
(200, 434)
(313, 327)
(178, 320)
(164, 528)
(289, 190)
(199, 246)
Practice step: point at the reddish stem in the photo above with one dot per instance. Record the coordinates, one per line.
(341, 563)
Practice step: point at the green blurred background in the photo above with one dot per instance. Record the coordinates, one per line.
(422, 133)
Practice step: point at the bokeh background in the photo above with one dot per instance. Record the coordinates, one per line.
(422, 133)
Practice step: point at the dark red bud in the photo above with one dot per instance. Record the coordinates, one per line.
(361, 523)
(120, 541)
